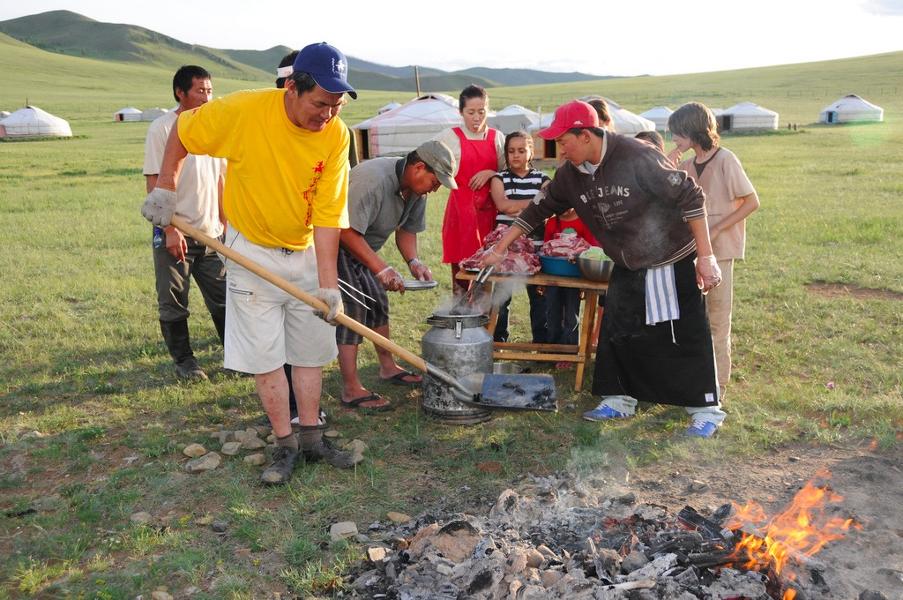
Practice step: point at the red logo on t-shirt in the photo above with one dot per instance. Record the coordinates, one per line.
(311, 192)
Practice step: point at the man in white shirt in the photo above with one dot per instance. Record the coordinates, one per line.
(177, 257)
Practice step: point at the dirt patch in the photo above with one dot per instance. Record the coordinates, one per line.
(843, 290)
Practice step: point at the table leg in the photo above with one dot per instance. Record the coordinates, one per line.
(590, 301)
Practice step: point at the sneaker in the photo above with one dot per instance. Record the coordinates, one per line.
(701, 429)
(280, 470)
(324, 450)
(604, 412)
(189, 369)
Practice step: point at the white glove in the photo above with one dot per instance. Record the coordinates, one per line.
(333, 299)
(159, 206)
(391, 280)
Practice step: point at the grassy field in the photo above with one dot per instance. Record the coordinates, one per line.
(92, 423)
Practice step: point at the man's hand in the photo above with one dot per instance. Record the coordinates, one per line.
(708, 273)
(333, 299)
(674, 156)
(159, 206)
(419, 270)
(391, 280)
(175, 243)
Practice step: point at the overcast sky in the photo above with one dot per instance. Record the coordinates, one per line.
(603, 38)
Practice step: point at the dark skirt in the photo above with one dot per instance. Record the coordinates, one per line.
(655, 363)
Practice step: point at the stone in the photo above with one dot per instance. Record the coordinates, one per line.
(871, 595)
(263, 430)
(219, 526)
(331, 434)
(190, 591)
(208, 462)
(517, 563)
(550, 578)
(457, 540)
(367, 579)
(534, 592)
(342, 530)
(534, 558)
(231, 448)
(141, 518)
(194, 450)
(628, 498)
(505, 505)
(377, 554)
(398, 517)
(361, 539)
(793, 458)
(161, 595)
(256, 460)
(444, 570)
(252, 442)
(633, 561)
(421, 540)
(271, 439)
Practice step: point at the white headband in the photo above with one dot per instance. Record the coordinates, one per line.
(284, 71)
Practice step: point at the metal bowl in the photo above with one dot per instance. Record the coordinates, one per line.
(595, 270)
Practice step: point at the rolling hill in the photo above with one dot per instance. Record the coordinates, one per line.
(66, 32)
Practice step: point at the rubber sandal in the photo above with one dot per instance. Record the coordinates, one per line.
(398, 379)
(357, 402)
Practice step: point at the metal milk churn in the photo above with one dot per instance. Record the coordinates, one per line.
(460, 345)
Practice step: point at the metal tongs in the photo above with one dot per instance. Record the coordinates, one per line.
(351, 291)
(478, 283)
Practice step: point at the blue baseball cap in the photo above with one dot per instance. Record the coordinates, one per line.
(328, 67)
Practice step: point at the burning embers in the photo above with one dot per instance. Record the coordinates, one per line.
(793, 536)
(566, 539)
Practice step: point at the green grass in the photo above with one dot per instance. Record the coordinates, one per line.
(82, 363)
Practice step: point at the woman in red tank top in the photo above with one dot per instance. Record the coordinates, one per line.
(470, 212)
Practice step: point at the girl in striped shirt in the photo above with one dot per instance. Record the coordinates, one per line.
(511, 191)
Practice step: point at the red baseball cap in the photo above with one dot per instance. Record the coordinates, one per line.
(574, 114)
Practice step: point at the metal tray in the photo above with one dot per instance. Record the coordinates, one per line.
(414, 285)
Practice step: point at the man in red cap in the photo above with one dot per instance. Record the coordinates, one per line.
(285, 202)
(655, 344)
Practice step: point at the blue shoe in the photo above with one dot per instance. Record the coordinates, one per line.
(603, 412)
(701, 429)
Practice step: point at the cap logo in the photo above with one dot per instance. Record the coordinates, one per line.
(338, 66)
(578, 122)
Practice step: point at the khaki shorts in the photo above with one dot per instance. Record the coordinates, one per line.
(265, 326)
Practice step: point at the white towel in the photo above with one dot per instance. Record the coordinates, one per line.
(661, 295)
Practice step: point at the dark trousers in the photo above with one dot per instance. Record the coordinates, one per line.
(174, 281)
(563, 310)
(538, 318)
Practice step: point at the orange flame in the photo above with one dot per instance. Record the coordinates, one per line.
(799, 532)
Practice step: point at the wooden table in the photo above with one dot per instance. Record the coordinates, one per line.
(579, 354)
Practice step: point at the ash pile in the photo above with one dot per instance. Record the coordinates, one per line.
(561, 538)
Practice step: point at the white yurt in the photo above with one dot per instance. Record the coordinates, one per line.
(152, 113)
(32, 122)
(514, 118)
(400, 130)
(658, 115)
(388, 107)
(851, 109)
(127, 114)
(748, 116)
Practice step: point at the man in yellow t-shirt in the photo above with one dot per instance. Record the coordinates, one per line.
(285, 202)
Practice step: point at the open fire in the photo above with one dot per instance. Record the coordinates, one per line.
(796, 534)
